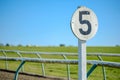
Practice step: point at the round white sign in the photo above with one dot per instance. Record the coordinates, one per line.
(84, 23)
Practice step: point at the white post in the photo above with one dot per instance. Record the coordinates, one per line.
(82, 60)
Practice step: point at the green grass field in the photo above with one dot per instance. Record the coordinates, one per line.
(59, 70)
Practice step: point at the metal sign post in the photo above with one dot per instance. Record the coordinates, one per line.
(82, 60)
(84, 25)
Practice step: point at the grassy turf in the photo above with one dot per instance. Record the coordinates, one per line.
(59, 70)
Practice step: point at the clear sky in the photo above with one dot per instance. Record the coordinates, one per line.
(47, 22)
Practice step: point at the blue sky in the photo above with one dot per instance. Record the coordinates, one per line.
(47, 22)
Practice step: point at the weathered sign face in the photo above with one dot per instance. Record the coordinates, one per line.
(84, 23)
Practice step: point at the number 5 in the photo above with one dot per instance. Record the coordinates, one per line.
(84, 22)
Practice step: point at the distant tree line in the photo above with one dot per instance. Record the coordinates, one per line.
(4, 45)
(1, 44)
(20, 45)
(117, 45)
(62, 45)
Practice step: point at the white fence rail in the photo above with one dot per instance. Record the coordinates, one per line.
(62, 61)
(62, 53)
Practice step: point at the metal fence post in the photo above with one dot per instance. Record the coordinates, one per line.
(42, 64)
(20, 57)
(68, 68)
(18, 69)
(91, 70)
(103, 68)
(6, 62)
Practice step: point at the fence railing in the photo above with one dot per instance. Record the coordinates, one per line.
(65, 60)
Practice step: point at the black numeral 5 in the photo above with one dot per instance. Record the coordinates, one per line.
(84, 22)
